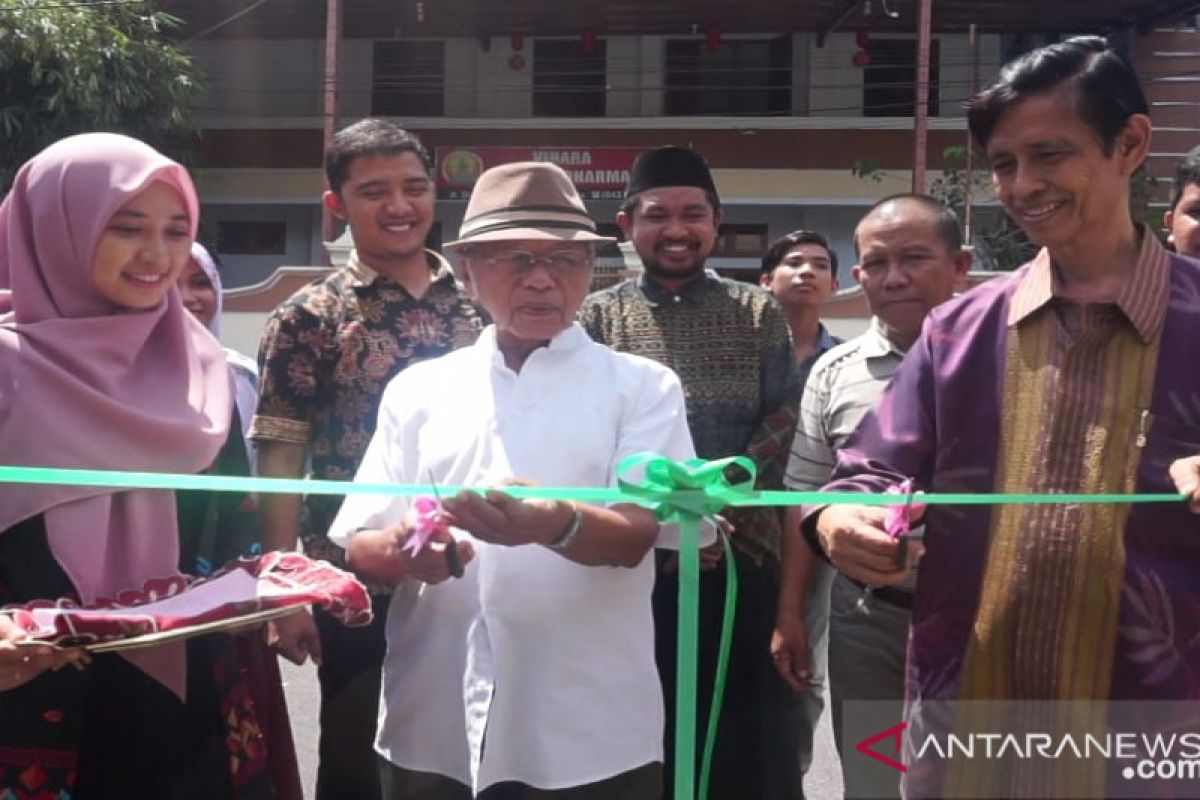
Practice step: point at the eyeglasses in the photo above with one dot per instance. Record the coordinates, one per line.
(563, 261)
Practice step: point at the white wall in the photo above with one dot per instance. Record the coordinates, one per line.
(956, 69)
(241, 330)
(462, 90)
(500, 90)
(626, 75)
(303, 229)
(835, 85)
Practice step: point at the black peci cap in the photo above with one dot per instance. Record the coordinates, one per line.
(669, 166)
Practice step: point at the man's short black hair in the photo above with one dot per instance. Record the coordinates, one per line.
(1106, 88)
(369, 137)
(784, 244)
(1187, 172)
(945, 221)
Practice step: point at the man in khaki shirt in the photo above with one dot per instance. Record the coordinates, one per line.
(910, 259)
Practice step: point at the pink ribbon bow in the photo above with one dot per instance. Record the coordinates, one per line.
(426, 515)
(900, 516)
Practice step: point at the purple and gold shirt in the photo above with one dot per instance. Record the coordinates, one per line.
(1014, 388)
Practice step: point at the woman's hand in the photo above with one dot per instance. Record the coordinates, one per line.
(21, 663)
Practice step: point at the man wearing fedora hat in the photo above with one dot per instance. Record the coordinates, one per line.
(546, 641)
(730, 345)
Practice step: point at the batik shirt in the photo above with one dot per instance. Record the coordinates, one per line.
(325, 357)
(730, 345)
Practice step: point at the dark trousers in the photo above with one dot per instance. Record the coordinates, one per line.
(351, 663)
(642, 783)
(866, 667)
(758, 740)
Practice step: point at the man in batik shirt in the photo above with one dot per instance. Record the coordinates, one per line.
(1074, 375)
(326, 355)
(729, 343)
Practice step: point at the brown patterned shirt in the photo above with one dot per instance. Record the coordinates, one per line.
(325, 357)
(729, 343)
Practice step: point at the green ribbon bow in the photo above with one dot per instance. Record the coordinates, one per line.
(685, 492)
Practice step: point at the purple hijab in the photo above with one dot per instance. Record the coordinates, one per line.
(86, 384)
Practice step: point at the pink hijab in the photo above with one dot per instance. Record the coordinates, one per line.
(89, 385)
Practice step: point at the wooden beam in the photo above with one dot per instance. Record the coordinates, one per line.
(333, 42)
(1166, 11)
(921, 118)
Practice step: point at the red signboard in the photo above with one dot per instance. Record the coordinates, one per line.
(599, 173)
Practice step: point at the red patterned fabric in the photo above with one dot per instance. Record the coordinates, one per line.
(241, 588)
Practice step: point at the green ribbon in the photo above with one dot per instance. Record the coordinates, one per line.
(680, 491)
(113, 479)
(685, 492)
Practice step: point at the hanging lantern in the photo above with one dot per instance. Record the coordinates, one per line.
(861, 37)
(861, 59)
(588, 41)
(712, 39)
(517, 40)
(516, 62)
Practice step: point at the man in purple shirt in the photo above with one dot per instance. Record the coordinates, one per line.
(1071, 376)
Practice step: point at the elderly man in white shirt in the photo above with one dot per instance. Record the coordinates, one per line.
(545, 643)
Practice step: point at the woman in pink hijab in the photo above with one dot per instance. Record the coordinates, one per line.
(101, 367)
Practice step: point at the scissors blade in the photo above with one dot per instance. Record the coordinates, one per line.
(433, 486)
(902, 536)
(454, 564)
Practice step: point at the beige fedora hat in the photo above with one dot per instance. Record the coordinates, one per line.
(525, 200)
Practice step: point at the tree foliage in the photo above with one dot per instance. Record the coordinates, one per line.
(997, 241)
(68, 67)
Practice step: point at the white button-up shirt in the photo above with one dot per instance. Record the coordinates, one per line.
(552, 659)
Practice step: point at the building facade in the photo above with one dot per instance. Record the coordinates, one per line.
(805, 125)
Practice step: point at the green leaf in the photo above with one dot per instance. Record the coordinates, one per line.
(85, 67)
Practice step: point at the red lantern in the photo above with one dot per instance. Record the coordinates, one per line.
(588, 41)
(861, 59)
(712, 39)
(861, 37)
(517, 40)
